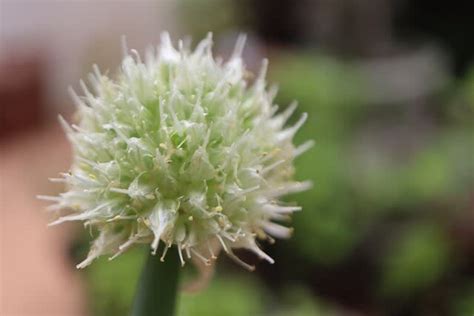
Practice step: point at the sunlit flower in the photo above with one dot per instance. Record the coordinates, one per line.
(180, 149)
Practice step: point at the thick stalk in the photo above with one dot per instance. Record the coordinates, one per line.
(157, 287)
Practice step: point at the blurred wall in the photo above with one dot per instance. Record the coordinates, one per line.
(69, 36)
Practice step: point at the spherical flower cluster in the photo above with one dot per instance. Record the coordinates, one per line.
(180, 149)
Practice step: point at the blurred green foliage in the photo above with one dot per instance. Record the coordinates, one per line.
(356, 185)
(112, 287)
(112, 284)
(244, 295)
(415, 261)
(225, 296)
(333, 94)
(463, 303)
(202, 16)
(469, 89)
(364, 183)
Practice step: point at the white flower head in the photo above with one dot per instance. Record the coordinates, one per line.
(180, 149)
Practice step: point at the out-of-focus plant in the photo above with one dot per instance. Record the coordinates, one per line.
(333, 90)
(200, 16)
(226, 295)
(232, 296)
(362, 181)
(334, 93)
(463, 303)
(298, 301)
(415, 261)
(371, 185)
(115, 292)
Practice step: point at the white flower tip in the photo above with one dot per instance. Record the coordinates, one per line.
(239, 46)
(262, 73)
(301, 149)
(85, 263)
(301, 121)
(65, 125)
(124, 46)
(209, 36)
(54, 223)
(48, 198)
(306, 185)
(168, 53)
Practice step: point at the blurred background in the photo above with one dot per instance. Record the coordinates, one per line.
(388, 228)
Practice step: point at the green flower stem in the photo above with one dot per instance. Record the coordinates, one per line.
(157, 287)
